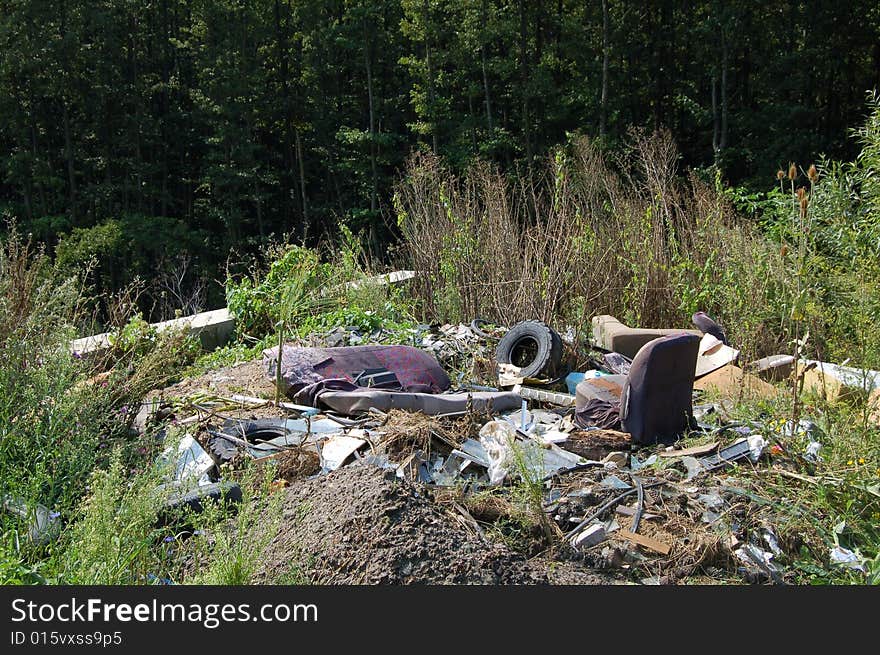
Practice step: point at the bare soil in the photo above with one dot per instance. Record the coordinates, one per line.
(246, 379)
(361, 525)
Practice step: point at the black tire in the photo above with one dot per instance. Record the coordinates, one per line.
(195, 499)
(475, 328)
(532, 346)
(265, 429)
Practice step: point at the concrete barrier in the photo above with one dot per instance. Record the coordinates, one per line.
(213, 328)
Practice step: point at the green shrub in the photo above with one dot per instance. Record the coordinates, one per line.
(58, 421)
(294, 280)
(230, 546)
(112, 538)
(306, 295)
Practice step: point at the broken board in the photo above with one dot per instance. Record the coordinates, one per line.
(596, 444)
(693, 451)
(647, 542)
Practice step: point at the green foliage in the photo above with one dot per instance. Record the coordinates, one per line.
(118, 252)
(59, 424)
(287, 292)
(111, 541)
(308, 296)
(134, 336)
(840, 267)
(236, 543)
(200, 126)
(85, 246)
(529, 491)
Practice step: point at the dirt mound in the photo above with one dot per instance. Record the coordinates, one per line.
(360, 525)
(245, 378)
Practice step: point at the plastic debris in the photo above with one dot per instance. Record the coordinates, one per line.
(553, 436)
(848, 559)
(811, 452)
(190, 461)
(804, 428)
(496, 438)
(757, 444)
(613, 482)
(43, 524)
(693, 465)
(738, 450)
(590, 536)
(772, 541)
(711, 500)
(636, 465)
(756, 559)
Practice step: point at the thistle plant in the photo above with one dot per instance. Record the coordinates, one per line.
(801, 225)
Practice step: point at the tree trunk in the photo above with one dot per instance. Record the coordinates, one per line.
(486, 90)
(429, 64)
(166, 107)
(484, 15)
(722, 144)
(374, 190)
(603, 112)
(283, 74)
(41, 191)
(473, 121)
(716, 123)
(302, 184)
(524, 77)
(65, 120)
(138, 118)
(259, 206)
(68, 154)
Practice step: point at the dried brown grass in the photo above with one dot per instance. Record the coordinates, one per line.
(586, 236)
(406, 432)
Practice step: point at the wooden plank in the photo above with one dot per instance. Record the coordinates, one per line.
(705, 449)
(647, 542)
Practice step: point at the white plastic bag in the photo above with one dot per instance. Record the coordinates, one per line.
(496, 438)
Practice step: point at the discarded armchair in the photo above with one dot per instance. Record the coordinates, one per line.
(654, 401)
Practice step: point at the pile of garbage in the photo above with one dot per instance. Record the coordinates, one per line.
(599, 447)
(458, 348)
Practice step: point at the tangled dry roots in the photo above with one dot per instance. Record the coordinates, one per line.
(297, 463)
(405, 432)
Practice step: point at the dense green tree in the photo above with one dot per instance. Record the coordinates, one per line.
(231, 122)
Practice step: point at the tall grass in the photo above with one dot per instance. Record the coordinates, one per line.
(588, 236)
(59, 423)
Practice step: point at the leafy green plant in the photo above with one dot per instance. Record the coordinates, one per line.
(295, 277)
(112, 540)
(232, 545)
(529, 491)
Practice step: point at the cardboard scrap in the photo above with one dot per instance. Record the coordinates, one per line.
(828, 387)
(730, 381)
